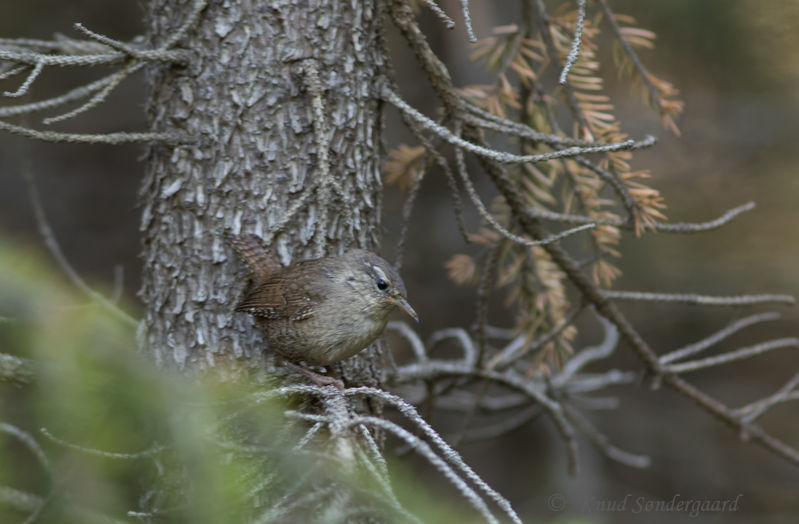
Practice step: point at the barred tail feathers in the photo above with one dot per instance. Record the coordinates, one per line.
(258, 260)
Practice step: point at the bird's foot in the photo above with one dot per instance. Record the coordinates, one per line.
(317, 378)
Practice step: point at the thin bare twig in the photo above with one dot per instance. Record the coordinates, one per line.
(542, 20)
(639, 67)
(445, 459)
(696, 299)
(6, 71)
(34, 59)
(574, 53)
(178, 57)
(701, 227)
(484, 119)
(521, 347)
(588, 383)
(321, 136)
(460, 162)
(487, 278)
(732, 356)
(445, 167)
(424, 449)
(155, 450)
(24, 501)
(99, 50)
(529, 223)
(751, 411)
(504, 426)
(590, 354)
(111, 82)
(23, 89)
(407, 209)
(29, 443)
(15, 370)
(410, 335)
(434, 369)
(104, 138)
(69, 96)
(618, 186)
(459, 334)
(450, 454)
(501, 156)
(600, 440)
(684, 227)
(449, 23)
(55, 249)
(717, 337)
(467, 20)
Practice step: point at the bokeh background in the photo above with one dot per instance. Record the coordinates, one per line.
(737, 67)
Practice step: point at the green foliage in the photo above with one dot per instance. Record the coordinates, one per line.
(99, 432)
(115, 431)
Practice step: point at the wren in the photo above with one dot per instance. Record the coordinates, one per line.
(324, 310)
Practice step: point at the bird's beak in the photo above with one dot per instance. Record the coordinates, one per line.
(403, 305)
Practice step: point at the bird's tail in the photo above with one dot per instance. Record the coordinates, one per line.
(260, 262)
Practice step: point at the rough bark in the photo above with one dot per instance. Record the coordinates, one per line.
(244, 97)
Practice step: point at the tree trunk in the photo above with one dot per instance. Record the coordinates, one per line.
(245, 98)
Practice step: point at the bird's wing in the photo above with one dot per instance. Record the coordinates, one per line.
(282, 298)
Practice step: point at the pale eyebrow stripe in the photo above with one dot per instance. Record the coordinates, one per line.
(380, 273)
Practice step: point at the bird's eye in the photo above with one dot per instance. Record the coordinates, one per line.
(382, 285)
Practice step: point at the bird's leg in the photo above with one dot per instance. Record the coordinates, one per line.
(317, 378)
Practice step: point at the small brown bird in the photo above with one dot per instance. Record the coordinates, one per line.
(324, 310)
